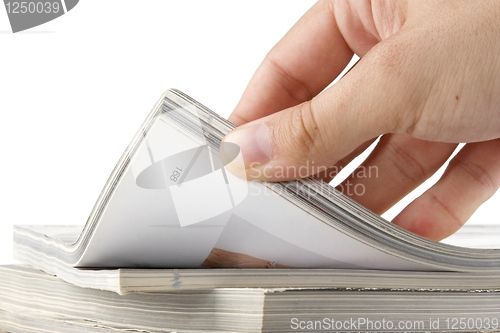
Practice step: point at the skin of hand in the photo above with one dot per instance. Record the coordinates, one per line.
(428, 78)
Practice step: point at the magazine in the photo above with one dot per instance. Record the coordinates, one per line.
(171, 203)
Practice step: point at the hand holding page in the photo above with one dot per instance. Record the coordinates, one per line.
(170, 203)
(309, 253)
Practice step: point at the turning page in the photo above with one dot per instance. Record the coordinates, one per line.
(175, 205)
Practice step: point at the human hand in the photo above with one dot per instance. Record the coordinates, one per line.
(428, 78)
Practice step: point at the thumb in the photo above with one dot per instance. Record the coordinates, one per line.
(307, 139)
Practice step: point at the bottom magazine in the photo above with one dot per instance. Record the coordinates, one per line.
(33, 301)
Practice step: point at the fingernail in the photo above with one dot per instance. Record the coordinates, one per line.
(254, 144)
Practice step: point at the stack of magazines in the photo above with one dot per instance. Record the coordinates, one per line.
(175, 243)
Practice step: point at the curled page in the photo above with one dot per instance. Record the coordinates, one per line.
(174, 204)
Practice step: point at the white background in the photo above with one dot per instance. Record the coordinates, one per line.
(75, 90)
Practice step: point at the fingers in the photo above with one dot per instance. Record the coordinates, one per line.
(310, 137)
(397, 165)
(308, 58)
(471, 178)
(334, 170)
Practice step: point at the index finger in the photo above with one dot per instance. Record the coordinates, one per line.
(308, 58)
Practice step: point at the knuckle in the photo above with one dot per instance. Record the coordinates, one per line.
(295, 88)
(478, 174)
(407, 165)
(452, 220)
(389, 56)
(303, 133)
(394, 65)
